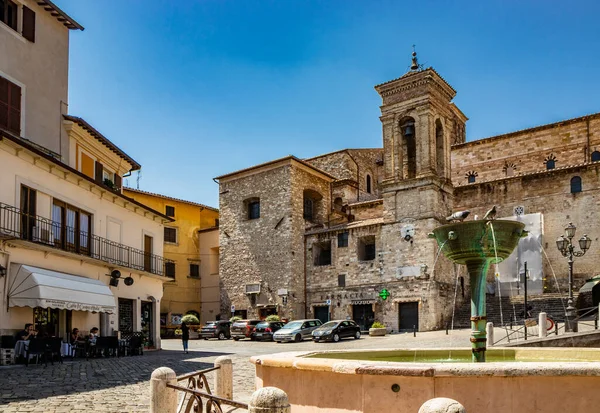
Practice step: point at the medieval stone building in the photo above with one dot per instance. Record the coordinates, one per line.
(345, 234)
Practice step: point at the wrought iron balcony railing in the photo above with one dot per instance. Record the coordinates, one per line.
(18, 224)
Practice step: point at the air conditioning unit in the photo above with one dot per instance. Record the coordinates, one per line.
(41, 234)
(253, 288)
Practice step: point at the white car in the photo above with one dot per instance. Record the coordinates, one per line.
(296, 330)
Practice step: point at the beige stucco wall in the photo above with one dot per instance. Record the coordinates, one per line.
(210, 291)
(41, 69)
(53, 182)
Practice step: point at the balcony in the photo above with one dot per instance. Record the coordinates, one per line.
(16, 224)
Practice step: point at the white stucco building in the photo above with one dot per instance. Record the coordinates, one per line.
(65, 225)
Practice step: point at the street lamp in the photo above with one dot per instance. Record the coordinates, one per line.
(564, 243)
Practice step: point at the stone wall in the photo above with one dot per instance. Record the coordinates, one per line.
(255, 250)
(268, 250)
(549, 194)
(527, 151)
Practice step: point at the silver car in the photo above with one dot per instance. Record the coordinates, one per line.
(296, 330)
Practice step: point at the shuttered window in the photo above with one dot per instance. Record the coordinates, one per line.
(171, 235)
(10, 106)
(28, 24)
(170, 211)
(170, 269)
(194, 270)
(8, 13)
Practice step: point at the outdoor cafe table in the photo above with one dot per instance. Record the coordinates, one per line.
(21, 348)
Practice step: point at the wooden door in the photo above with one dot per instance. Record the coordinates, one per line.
(148, 253)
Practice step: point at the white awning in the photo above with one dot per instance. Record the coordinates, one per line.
(37, 287)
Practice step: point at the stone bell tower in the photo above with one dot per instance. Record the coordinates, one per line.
(420, 123)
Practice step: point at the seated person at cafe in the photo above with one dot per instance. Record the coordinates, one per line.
(74, 336)
(94, 334)
(27, 333)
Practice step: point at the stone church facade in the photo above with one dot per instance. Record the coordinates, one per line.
(327, 237)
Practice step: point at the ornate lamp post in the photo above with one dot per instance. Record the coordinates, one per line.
(564, 243)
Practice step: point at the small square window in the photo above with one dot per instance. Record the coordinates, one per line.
(194, 270)
(366, 248)
(341, 280)
(170, 269)
(322, 253)
(170, 211)
(254, 210)
(342, 239)
(171, 235)
(217, 222)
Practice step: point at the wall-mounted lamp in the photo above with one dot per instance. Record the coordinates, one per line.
(2, 271)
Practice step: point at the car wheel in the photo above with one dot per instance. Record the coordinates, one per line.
(336, 338)
(236, 338)
(357, 335)
(298, 338)
(206, 338)
(278, 342)
(222, 336)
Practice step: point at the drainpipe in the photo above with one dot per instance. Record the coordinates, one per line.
(587, 148)
(305, 293)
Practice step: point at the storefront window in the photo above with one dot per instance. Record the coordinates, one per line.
(46, 321)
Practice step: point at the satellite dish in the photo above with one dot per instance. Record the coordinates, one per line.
(128, 281)
(115, 274)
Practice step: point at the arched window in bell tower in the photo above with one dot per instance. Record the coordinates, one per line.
(407, 128)
(439, 148)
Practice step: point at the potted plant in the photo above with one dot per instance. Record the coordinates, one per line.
(190, 319)
(377, 329)
(272, 318)
(178, 332)
(235, 318)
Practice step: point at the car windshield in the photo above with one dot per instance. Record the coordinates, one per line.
(211, 323)
(330, 324)
(292, 325)
(263, 324)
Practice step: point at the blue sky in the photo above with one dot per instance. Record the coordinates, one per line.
(197, 88)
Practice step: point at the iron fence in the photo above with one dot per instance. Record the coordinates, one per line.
(529, 328)
(197, 396)
(18, 224)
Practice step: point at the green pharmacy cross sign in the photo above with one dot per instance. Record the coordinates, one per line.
(384, 294)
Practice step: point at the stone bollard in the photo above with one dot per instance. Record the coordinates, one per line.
(269, 400)
(162, 398)
(224, 377)
(442, 405)
(543, 331)
(489, 331)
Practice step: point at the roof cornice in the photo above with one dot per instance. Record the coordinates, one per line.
(60, 15)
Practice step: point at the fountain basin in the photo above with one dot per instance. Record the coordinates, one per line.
(475, 239)
(524, 380)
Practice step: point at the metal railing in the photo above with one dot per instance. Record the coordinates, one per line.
(197, 396)
(18, 224)
(529, 328)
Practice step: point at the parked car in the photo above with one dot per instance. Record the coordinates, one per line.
(265, 330)
(336, 330)
(243, 328)
(216, 329)
(296, 330)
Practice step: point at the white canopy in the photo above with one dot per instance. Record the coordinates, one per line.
(38, 287)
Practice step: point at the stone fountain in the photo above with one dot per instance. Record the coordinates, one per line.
(477, 244)
(514, 380)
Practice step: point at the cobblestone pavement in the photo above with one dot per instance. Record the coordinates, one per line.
(122, 384)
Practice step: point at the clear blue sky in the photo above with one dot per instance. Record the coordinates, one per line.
(194, 89)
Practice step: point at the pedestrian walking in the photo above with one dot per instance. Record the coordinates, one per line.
(185, 336)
